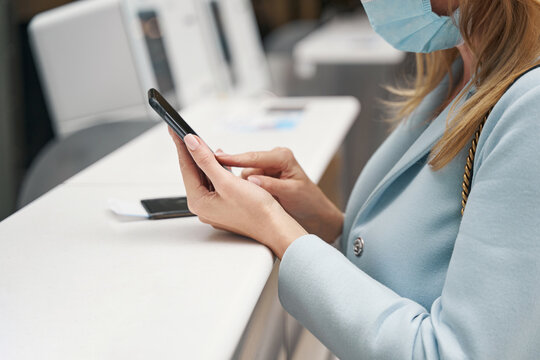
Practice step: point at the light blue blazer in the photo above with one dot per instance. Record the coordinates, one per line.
(430, 283)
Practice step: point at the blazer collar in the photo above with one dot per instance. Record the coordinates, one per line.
(423, 143)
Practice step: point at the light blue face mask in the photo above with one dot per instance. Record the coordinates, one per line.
(411, 25)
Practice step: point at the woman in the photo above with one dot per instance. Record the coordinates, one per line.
(415, 278)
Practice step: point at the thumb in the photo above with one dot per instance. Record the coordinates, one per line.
(205, 159)
(273, 185)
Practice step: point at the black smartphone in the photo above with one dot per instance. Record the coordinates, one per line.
(175, 121)
(166, 208)
(167, 113)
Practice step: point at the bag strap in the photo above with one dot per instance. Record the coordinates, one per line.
(467, 176)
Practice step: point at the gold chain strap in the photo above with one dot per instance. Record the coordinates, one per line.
(467, 176)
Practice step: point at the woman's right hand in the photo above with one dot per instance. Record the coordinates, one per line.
(278, 172)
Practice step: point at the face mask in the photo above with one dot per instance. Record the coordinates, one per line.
(411, 25)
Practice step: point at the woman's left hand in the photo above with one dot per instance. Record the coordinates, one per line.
(234, 204)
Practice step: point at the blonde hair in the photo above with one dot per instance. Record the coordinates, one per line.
(504, 38)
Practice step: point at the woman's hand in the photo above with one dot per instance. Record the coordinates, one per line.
(233, 204)
(279, 173)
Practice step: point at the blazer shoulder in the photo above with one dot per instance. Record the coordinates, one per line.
(529, 82)
(515, 118)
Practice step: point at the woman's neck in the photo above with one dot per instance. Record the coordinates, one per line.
(468, 65)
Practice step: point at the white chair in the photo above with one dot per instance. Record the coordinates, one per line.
(86, 67)
(92, 84)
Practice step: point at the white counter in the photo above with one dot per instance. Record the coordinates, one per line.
(77, 282)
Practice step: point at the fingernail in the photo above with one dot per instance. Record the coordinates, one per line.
(220, 152)
(191, 142)
(255, 180)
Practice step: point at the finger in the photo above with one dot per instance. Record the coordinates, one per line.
(205, 159)
(172, 133)
(274, 186)
(184, 157)
(220, 152)
(256, 159)
(251, 171)
(194, 184)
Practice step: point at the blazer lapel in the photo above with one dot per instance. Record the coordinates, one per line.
(419, 149)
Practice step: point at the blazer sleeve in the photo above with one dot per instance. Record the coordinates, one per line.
(490, 304)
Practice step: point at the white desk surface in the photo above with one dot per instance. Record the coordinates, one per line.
(78, 282)
(344, 40)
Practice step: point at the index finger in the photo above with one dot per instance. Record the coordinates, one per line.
(254, 159)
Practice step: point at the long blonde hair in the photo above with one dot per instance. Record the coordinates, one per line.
(504, 38)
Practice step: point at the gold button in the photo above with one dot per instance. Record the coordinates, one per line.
(358, 246)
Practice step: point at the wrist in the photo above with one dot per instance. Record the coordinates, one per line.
(329, 221)
(282, 232)
(336, 227)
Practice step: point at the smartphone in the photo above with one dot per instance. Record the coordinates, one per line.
(166, 208)
(175, 121)
(167, 113)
